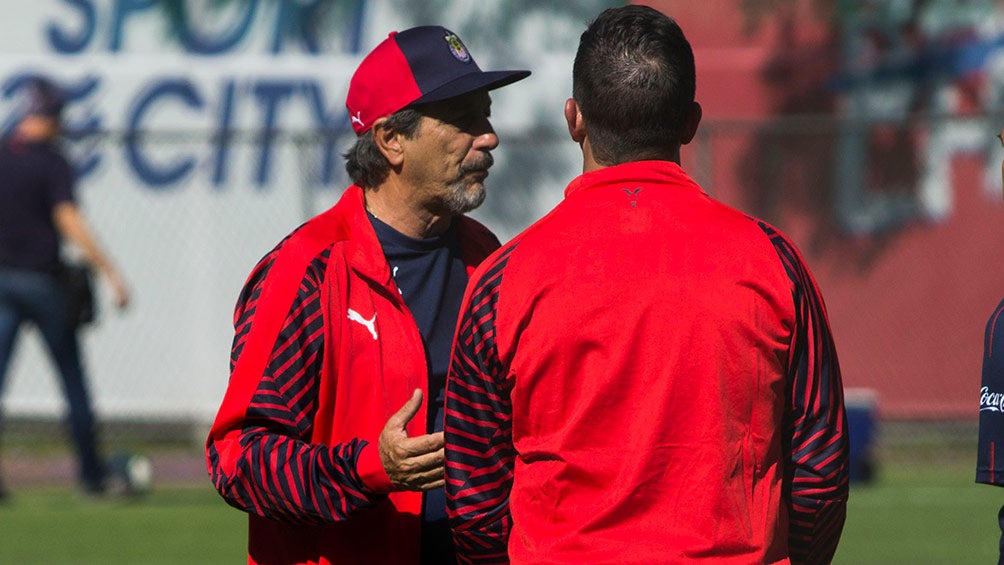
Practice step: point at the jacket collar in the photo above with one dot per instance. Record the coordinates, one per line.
(364, 253)
(642, 172)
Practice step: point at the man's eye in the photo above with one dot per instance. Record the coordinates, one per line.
(465, 120)
(469, 119)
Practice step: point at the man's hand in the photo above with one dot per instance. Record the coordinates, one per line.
(411, 463)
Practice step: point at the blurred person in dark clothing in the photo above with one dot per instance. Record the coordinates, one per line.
(38, 211)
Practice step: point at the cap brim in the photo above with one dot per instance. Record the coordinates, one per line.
(488, 80)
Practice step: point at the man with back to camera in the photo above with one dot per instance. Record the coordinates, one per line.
(346, 326)
(989, 462)
(644, 375)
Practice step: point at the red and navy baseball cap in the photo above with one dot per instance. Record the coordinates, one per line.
(416, 66)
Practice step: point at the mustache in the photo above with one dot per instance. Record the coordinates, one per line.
(482, 163)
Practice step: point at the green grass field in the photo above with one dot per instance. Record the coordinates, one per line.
(914, 512)
(169, 526)
(922, 515)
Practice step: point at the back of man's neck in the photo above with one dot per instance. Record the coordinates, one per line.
(590, 163)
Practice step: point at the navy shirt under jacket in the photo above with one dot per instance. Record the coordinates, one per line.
(431, 278)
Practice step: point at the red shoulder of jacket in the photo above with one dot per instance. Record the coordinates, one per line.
(330, 226)
(288, 262)
(325, 229)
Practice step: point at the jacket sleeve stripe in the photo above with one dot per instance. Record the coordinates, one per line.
(277, 473)
(816, 472)
(479, 452)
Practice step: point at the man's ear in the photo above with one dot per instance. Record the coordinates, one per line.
(388, 142)
(691, 123)
(576, 125)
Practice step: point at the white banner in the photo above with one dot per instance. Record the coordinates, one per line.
(197, 129)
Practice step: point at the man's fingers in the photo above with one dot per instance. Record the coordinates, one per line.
(427, 479)
(418, 445)
(401, 418)
(435, 484)
(413, 463)
(423, 461)
(419, 472)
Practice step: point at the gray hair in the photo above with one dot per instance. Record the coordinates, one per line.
(366, 165)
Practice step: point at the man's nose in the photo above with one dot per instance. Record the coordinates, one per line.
(487, 139)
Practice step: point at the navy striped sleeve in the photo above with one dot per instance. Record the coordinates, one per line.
(279, 474)
(478, 428)
(816, 470)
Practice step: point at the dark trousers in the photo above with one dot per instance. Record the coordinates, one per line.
(28, 296)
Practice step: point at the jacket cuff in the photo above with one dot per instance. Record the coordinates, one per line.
(371, 470)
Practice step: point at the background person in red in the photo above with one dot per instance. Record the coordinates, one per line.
(346, 326)
(644, 375)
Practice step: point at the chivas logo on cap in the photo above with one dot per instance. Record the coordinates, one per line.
(457, 47)
(411, 67)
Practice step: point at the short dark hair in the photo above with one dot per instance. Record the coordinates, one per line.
(366, 165)
(634, 82)
(45, 98)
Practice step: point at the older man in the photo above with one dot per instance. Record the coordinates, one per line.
(346, 326)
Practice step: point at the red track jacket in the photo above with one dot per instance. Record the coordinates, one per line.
(324, 352)
(645, 376)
